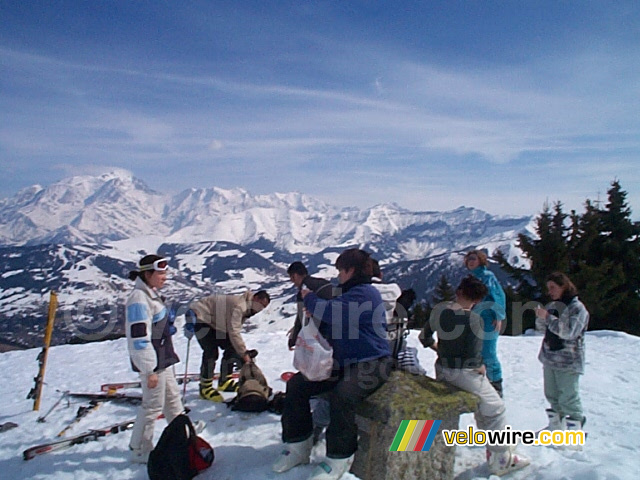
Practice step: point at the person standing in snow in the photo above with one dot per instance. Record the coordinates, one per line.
(459, 363)
(354, 324)
(149, 329)
(492, 309)
(217, 321)
(299, 276)
(563, 323)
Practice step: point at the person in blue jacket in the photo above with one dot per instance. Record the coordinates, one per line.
(493, 311)
(354, 323)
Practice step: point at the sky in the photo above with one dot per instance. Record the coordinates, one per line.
(499, 105)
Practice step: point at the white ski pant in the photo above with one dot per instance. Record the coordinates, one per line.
(491, 413)
(165, 399)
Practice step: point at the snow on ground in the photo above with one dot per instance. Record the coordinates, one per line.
(246, 444)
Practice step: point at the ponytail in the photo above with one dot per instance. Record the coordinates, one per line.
(133, 274)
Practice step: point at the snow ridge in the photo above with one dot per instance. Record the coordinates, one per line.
(117, 206)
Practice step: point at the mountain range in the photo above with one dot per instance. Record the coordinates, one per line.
(80, 237)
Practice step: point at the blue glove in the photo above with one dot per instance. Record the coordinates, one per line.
(189, 323)
(171, 320)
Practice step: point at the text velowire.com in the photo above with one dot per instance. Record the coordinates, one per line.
(474, 437)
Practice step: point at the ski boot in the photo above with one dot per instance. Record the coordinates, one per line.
(207, 392)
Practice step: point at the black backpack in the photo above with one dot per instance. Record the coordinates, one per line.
(180, 454)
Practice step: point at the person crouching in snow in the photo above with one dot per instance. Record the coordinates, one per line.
(459, 363)
(217, 322)
(562, 352)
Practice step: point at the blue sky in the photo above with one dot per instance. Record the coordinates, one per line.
(432, 105)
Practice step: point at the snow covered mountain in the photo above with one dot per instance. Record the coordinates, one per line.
(117, 206)
(81, 236)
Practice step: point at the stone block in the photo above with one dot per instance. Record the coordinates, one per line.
(408, 397)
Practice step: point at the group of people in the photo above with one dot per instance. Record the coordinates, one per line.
(469, 361)
(362, 353)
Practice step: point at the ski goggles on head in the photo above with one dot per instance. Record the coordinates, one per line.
(160, 265)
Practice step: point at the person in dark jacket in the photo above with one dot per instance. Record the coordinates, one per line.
(354, 323)
(300, 278)
(459, 363)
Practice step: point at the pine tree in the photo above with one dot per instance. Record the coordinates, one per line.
(621, 247)
(550, 251)
(443, 292)
(586, 241)
(421, 313)
(599, 250)
(598, 288)
(525, 318)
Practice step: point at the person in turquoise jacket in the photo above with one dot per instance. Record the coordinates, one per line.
(493, 311)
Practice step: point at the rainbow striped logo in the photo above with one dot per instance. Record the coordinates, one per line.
(415, 436)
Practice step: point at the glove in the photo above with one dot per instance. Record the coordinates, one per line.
(171, 320)
(190, 324)
(253, 353)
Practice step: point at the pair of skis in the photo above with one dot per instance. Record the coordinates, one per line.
(88, 436)
(36, 392)
(82, 412)
(96, 399)
(113, 387)
(97, 433)
(108, 397)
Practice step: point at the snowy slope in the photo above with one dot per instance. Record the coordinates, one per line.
(246, 444)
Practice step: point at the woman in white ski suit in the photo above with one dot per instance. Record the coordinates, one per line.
(151, 352)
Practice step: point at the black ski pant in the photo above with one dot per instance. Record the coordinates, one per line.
(345, 390)
(210, 340)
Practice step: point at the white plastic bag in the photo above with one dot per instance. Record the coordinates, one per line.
(313, 356)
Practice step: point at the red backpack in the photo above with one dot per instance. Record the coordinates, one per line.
(180, 453)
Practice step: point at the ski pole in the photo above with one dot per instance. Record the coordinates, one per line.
(43, 418)
(186, 369)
